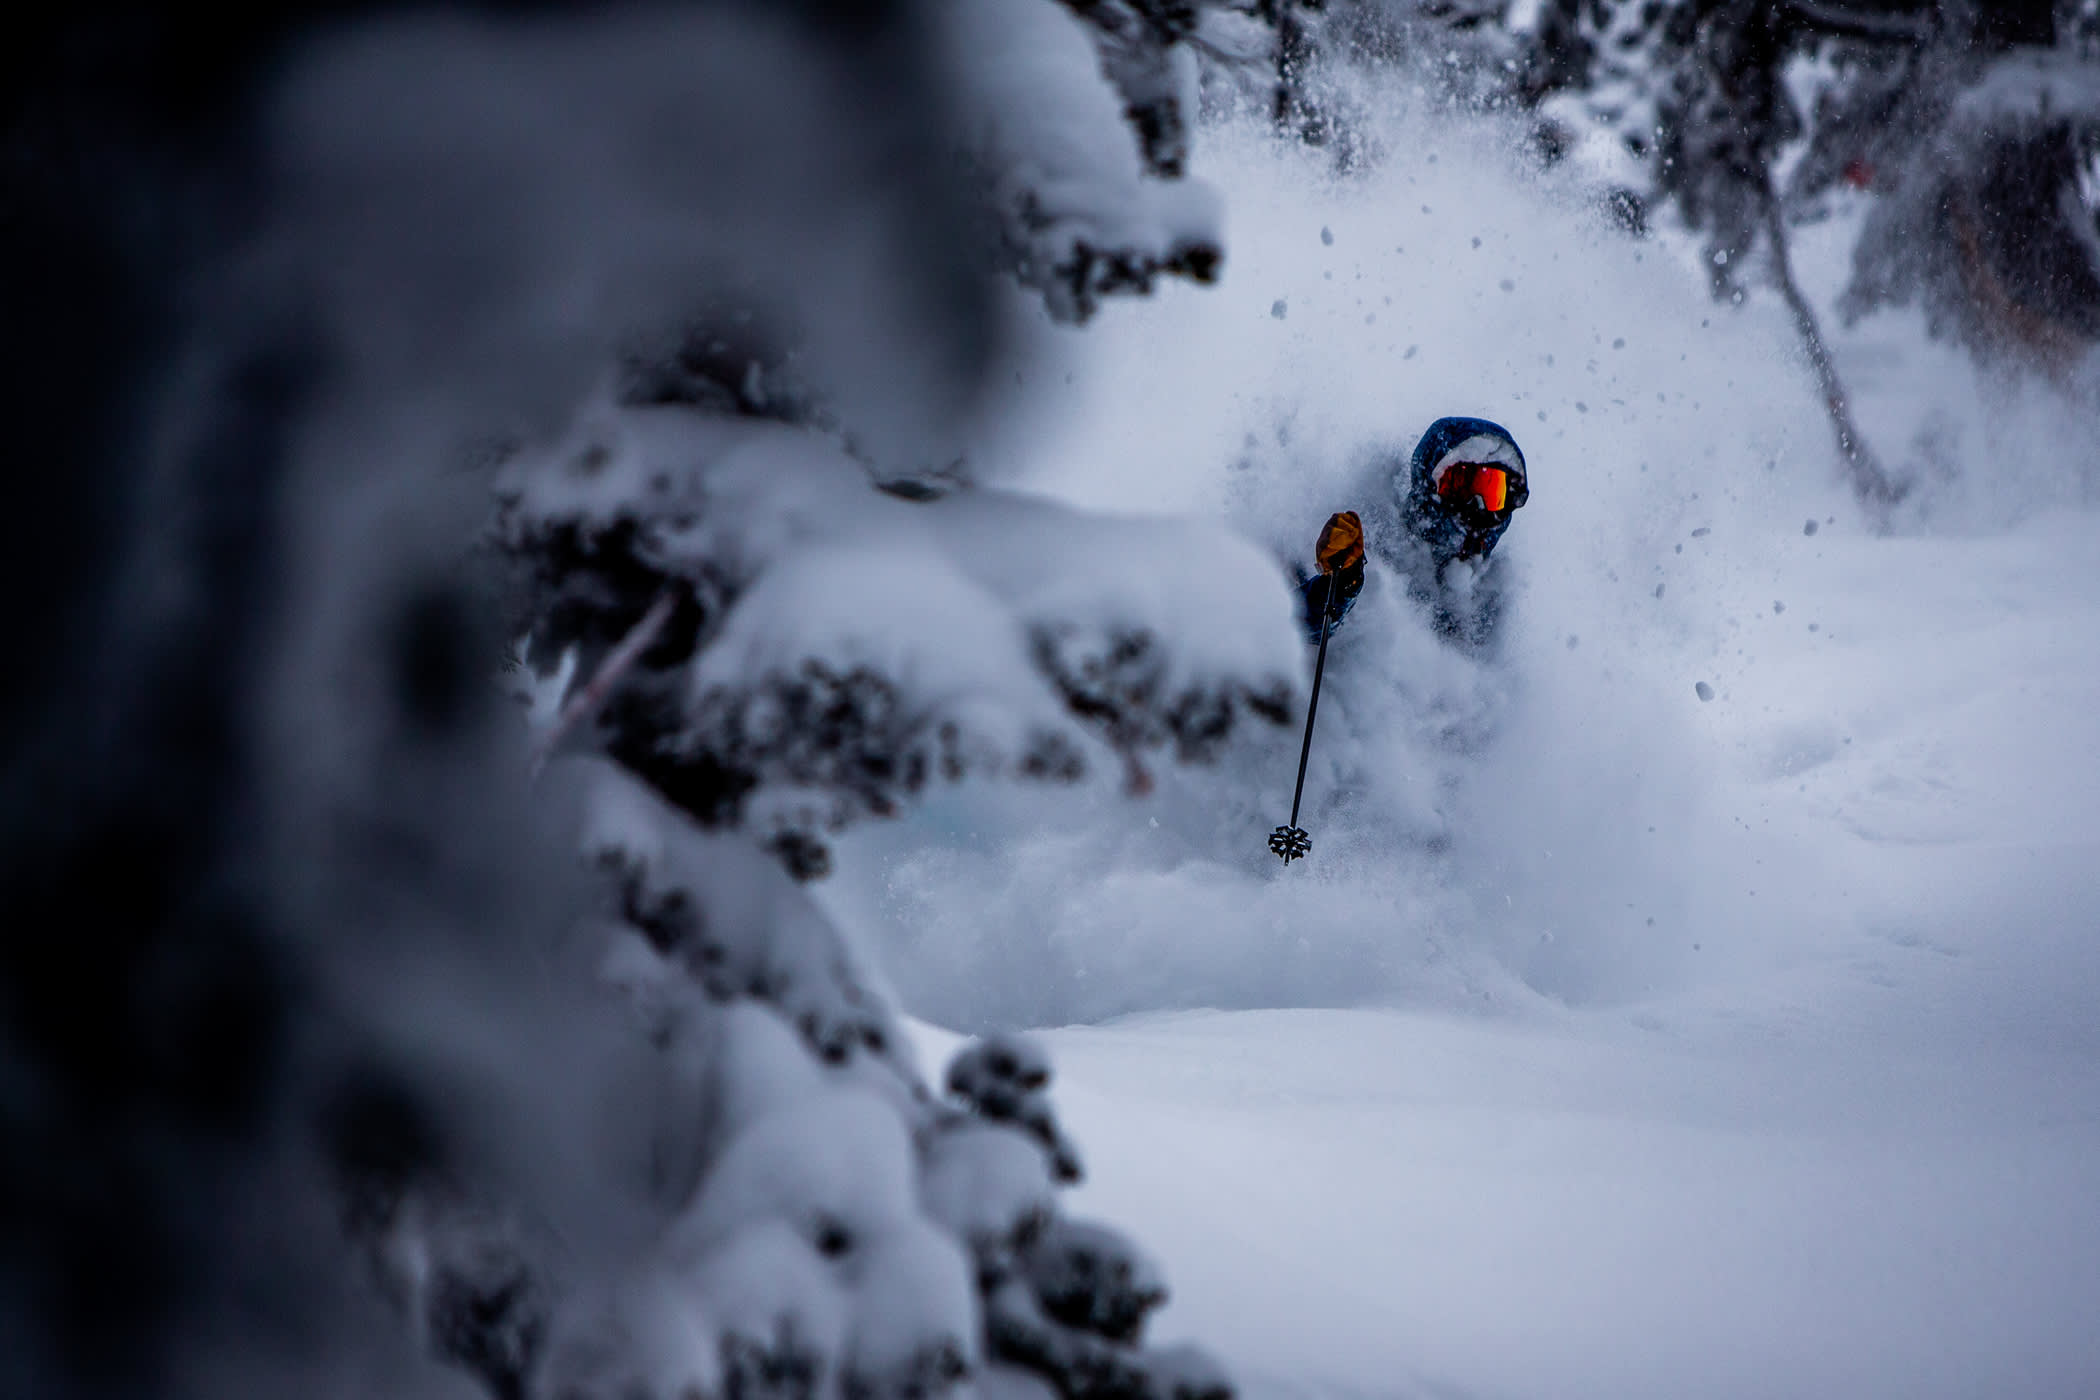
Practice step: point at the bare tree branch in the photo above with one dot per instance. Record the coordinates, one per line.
(1871, 482)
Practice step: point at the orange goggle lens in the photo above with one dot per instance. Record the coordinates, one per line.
(1463, 481)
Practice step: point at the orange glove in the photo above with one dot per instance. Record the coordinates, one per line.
(1341, 543)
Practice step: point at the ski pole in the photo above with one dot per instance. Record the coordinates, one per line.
(1290, 841)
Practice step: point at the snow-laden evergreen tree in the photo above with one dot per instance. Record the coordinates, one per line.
(296, 945)
(1970, 125)
(776, 609)
(1984, 162)
(1967, 121)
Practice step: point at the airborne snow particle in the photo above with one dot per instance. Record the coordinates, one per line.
(1658, 590)
(1702, 532)
(1573, 641)
(1508, 286)
(1279, 310)
(1410, 352)
(1476, 243)
(1619, 343)
(1810, 528)
(1777, 607)
(1327, 236)
(1703, 691)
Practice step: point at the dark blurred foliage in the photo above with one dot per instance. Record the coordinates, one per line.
(199, 1037)
(148, 1014)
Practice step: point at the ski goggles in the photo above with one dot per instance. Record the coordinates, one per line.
(1462, 483)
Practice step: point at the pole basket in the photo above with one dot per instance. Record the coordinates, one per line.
(1290, 842)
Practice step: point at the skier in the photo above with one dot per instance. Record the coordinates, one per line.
(1465, 480)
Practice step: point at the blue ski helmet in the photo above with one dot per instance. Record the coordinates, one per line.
(1460, 440)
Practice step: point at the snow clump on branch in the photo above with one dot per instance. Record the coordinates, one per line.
(1086, 183)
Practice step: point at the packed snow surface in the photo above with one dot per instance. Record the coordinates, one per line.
(1699, 995)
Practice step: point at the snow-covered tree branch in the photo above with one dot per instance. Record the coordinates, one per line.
(835, 648)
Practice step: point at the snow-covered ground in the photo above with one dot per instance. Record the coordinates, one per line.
(1653, 1046)
(1382, 1203)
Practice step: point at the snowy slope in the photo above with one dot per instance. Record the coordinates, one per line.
(1374, 1203)
(1868, 1171)
(1658, 1046)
